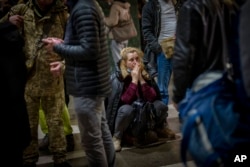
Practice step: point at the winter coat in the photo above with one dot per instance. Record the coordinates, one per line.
(17, 134)
(197, 50)
(118, 18)
(151, 27)
(244, 44)
(85, 51)
(41, 81)
(114, 99)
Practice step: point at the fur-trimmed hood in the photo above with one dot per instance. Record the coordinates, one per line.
(122, 72)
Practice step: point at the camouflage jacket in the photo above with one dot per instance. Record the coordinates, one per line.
(40, 80)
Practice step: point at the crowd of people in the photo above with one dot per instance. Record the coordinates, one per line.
(61, 49)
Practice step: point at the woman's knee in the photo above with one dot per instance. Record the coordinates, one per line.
(125, 110)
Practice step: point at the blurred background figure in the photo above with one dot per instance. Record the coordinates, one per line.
(49, 18)
(159, 25)
(120, 26)
(14, 75)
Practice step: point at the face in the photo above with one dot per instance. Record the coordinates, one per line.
(132, 60)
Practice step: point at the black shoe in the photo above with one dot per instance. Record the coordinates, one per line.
(70, 142)
(44, 144)
(63, 164)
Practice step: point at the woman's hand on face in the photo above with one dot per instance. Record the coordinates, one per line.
(135, 73)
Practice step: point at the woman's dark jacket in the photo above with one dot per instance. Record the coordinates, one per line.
(114, 99)
(151, 26)
(85, 51)
(198, 46)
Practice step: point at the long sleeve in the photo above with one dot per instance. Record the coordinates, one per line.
(130, 94)
(188, 39)
(148, 93)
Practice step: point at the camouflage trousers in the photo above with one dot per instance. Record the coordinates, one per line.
(53, 107)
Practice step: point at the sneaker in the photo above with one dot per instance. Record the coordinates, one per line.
(63, 164)
(117, 144)
(70, 142)
(165, 133)
(44, 144)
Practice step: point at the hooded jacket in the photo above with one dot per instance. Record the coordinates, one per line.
(114, 99)
(40, 80)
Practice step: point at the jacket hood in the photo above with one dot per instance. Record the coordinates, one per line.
(122, 73)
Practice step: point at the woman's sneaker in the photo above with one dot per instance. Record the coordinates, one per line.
(117, 144)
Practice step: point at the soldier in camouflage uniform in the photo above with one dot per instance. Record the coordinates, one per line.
(38, 19)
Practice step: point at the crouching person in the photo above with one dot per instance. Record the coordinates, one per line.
(131, 82)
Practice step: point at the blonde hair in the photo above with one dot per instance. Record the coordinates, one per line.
(124, 57)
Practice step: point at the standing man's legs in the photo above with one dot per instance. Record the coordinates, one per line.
(68, 130)
(95, 134)
(53, 107)
(164, 75)
(31, 153)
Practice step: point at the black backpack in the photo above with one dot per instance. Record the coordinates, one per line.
(144, 120)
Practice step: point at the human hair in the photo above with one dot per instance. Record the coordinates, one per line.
(124, 57)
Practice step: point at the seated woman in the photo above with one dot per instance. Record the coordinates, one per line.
(129, 83)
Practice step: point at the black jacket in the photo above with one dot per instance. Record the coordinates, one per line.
(14, 75)
(85, 51)
(151, 26)
(198, 46)
(244, 44)
(114, 99)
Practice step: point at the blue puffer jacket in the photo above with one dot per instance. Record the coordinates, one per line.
(85, 51)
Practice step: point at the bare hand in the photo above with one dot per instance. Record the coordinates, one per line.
(56, 68)
(51, 42)
(16, 20)
(135, 73)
